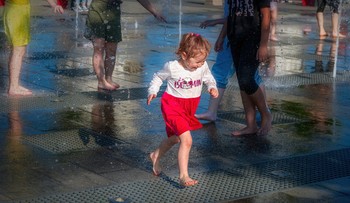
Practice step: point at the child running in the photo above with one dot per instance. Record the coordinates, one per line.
(185, 77)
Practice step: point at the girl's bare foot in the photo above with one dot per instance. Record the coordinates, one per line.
(187, 182)
(265, 124)
(245, 131)
(208, 116)
(156, 168)
(20, 91)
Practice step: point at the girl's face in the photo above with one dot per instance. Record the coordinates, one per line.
(193, 63)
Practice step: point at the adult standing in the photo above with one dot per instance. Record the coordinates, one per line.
(104, 30)
(248, 29)
(17, 29)
(334, 6)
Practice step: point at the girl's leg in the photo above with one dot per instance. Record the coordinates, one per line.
(109, 63)
(164, 146)
(183, 157)
(15, 66)
(97, 61)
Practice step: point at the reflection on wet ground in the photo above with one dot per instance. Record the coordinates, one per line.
(71, 137)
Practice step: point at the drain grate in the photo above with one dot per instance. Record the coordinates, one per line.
(223, 185)
(71, 141)
(277, 117)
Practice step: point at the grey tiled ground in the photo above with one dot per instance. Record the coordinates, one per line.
(72, 143)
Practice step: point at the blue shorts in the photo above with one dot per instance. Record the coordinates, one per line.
(223, 68)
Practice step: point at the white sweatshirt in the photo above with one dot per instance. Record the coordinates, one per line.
(182, 83)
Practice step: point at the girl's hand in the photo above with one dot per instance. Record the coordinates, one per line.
(214, 92)
(58, 9)
(150, 98)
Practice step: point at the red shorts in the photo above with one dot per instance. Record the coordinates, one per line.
(178, 114)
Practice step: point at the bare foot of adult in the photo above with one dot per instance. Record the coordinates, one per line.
(208, 116)
(187, 182)
(265, 125)
(323, 34)
(20, 91)
(156, 168)
(116, 85)
(340, 35)
(106, 86)
(245, 131)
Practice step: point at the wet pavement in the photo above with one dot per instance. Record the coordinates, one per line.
(71, 143)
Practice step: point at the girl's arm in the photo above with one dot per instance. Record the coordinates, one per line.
(158, 79)
(208, 78)
(262, 54)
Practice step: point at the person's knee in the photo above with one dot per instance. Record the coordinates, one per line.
(249, 86)
(186, 139)
(174, 140)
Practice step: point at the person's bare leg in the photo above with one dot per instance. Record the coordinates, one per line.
(98, 64)
(183, 157)
(156, 155)
(211, 113)
(111, 50)
(335, 28)
(249, 109)
(259, 99)
(273, 25)
(15, 66)
(320, 22)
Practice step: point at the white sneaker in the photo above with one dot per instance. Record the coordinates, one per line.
(84, 8)
(78, 9)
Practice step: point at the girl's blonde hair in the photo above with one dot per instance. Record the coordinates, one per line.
(193, 44)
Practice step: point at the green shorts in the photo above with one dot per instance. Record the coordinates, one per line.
(17, 24)
(103, 21)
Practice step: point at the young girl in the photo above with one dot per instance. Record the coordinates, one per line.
(185, 78)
